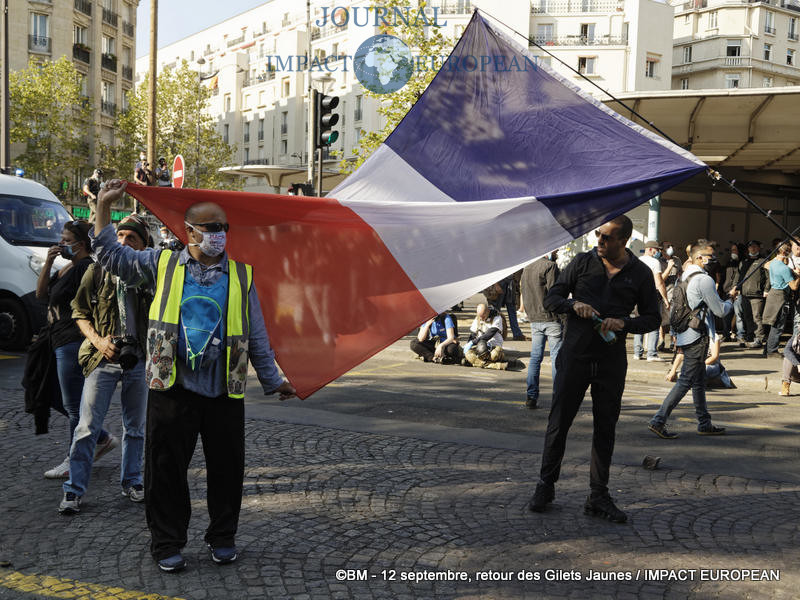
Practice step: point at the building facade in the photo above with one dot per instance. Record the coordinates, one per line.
(736, 44)
(100, 38)
(259, 95)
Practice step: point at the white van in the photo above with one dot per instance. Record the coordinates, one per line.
(31, 221)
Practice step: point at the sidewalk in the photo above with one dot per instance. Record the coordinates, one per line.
(333, 509)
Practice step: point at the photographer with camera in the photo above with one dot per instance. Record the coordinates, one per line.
(113, 318)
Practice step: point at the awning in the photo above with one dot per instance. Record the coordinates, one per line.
(281, 176)
(754, 128)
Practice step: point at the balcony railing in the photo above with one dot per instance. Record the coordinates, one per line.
(257, 161)
(81, 52)
(234, 41)
(579, 40)
(109, 61)
(127, 73)
(127, 28)
(108, 108)
(84, 6)
(792, 36)
(86, 101)
(695, 4)
(451, 8)
(328, 30)
(791, 6)
(769, 30)
(561, 7)
(733, 61)
(38, 43)
(110, 17)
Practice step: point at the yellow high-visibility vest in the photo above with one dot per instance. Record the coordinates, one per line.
(164, 323)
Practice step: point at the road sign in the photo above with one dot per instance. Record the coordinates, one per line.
(177, 171)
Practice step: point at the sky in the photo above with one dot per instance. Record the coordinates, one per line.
(178, 19)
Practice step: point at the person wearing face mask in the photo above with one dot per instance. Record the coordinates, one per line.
(783, 283)
(753, 286)
(670, 274)
(59, 290)
(204, 324)
(732, 274)
(700, 292)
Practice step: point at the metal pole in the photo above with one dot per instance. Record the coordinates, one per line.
(5, 124)
(151, 101)
(319, 174)
(309, 96)
(197, 145)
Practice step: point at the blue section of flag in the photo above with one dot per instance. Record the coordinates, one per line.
(494, 124)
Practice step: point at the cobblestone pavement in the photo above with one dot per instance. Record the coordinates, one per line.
(320, 502)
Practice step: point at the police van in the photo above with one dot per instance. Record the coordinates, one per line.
(31, 221)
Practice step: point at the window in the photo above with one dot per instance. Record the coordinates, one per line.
(109, 45)
(125, 101)
(712, 19)
(544, 60)
(227, 103)
(246, 102)
(246, 130)
(790, 57)
(586, 65)
(262, 98)
(319, 54)
(359, 114)
(284, 122)
(108, 4)
(126, 56)
(685, 83)
(261, 129)
(39, 24)
(793, 28)
(587, 33)
(767, 82)
(246, 155)
(284, 147)
(767, 51)
(650, 67)
(79, 34)
(734, 48)
(687, 54)
(545, 32)
(107, 91)
(84, 84)
(687, 19)
(732, 80)
(285, 88)
(769, 23)
(225, 131)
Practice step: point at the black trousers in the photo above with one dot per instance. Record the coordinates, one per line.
(573, 377)
(426, 349)
(174, 419)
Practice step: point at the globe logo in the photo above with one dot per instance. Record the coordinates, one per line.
(383, 64)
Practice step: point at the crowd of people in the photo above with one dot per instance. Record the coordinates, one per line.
(181, 362)
(585, 312)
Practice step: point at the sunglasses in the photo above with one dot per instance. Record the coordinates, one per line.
(212, 227)
(603, 236)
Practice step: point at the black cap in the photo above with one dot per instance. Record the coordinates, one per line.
(753, 243)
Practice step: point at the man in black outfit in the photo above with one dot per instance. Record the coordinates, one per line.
(605, 283)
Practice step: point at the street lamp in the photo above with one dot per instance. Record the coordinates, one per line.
(201, 78)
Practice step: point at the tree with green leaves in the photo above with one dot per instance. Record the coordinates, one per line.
(50, 117)
(426, 42)
(183, 126)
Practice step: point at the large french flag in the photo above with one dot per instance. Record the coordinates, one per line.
(499, 161)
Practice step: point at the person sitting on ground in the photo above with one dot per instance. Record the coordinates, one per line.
(791, 365)
(716, 374)
(485, 346)
(437, 340)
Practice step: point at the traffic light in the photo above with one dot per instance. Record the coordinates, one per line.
(325, 119)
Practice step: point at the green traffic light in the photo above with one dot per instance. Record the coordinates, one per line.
(332, 137)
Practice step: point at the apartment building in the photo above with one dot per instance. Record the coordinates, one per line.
(261, 105)
(99, 36)
(736, 44)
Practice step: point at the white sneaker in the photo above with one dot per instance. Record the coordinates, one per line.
(59, 472)
(135, 492)
(656, 359)
(634, 357)
(102, 449)
(70, 504)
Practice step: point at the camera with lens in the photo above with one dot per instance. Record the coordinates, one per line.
(127, 345)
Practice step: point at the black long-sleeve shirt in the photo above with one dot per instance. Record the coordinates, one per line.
(586, 279)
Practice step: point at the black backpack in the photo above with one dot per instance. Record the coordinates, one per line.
(681, 316)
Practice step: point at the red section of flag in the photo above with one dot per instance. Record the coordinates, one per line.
(331, 293)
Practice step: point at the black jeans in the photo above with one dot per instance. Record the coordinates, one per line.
(606, 377)
(426, 349)
(174, 418)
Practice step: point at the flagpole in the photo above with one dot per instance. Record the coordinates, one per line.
(713, 174)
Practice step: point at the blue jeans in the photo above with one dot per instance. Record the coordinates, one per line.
(100, 386)
(693, 376)
(549, 331)
(652, 344)
(70, 379)
(741, 319)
